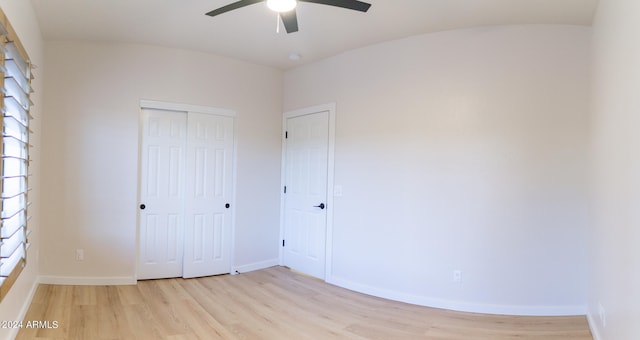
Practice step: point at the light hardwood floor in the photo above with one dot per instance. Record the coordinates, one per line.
(274, 303)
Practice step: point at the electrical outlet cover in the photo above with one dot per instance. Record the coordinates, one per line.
(457, 276)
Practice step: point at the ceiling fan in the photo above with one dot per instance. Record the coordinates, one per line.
(287, 8)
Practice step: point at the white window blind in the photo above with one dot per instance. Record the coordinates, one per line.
(14, 170)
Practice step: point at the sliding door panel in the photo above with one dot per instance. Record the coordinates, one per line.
(163, 155)
(208, 195)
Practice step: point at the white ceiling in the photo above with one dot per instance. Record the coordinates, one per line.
(250, 34)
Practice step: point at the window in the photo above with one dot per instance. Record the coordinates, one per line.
(14, 149)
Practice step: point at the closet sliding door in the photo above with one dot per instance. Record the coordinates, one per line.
(186, 191)
(162, 177)
(208, 195)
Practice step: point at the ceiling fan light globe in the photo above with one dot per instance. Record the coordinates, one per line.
(281, 5)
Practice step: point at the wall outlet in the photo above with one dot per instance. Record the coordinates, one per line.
(79, 255)
(457, 276)
(603, 315)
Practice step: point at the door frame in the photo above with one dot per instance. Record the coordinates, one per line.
(186, 108)
(331, 108)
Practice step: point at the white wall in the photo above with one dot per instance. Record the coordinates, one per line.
(91, 149)
(461, 150)
(615, 237)
(23, 20)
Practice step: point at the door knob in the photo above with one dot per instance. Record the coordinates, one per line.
(321, 206)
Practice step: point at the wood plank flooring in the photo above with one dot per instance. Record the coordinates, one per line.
(274, 303)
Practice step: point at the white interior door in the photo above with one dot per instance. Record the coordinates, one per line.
(163, 154)
(208, 195)
(305, 200)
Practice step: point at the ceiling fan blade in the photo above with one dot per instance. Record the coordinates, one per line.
(348, 4)
(290, 21)
(232, 6)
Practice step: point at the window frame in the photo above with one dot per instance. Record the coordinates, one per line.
(15, 104)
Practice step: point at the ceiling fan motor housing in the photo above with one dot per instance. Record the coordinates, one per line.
(281, 5)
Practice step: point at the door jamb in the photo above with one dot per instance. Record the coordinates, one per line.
(186, 108)
(331, 108)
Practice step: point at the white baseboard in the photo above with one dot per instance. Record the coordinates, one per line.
(87, 281)
(24, 309)
(593, 326)
(254, 266)
(461, 306)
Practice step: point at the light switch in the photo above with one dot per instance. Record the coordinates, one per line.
(337, 190)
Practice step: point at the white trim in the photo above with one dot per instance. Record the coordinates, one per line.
(461, 306)
(168, 106)
(593, 326)
(234, 186)
(88, 281)
(283, 167)
(328, 266)
(255, 266)
(331, 108)
(138, 191)
(13, 333)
